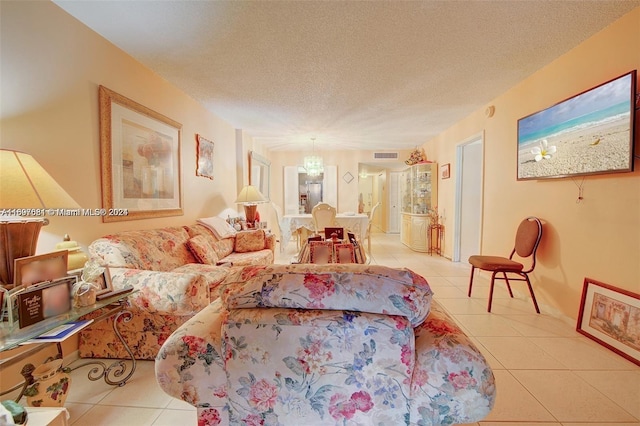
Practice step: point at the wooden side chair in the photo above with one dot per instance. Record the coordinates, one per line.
(527, 240)
(324, 215)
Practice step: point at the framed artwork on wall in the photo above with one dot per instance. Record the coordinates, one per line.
(140, 159)
(445, 171)
(204, 157)
(611, 316)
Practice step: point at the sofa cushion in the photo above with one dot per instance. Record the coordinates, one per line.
(218, 226)
(202, 250)
(223, 248)
(249, 241)
(352, 287)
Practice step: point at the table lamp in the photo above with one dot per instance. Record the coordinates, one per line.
(26, 189)
(250, 197)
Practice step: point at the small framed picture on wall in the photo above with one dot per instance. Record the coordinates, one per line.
(445, 171)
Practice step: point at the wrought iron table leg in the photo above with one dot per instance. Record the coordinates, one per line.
(113, 373)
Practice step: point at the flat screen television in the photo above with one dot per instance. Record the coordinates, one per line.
(589, 133)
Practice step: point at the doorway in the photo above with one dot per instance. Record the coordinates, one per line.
(469, 199)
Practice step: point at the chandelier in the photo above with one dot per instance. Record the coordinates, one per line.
(313, 163)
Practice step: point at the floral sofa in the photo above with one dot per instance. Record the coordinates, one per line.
(176, 271)
(326, 345)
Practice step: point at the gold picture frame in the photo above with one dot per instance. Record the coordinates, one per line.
(204, 163)
(140, 160)
(40, 268)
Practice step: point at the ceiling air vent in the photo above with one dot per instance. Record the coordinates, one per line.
(385, 155)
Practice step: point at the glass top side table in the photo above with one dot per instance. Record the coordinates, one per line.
(114, 374)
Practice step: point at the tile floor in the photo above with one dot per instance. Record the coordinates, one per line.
(546, 373)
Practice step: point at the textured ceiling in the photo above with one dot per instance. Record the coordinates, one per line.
(355, 75)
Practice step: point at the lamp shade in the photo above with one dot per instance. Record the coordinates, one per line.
(250, 195)
(24, 184)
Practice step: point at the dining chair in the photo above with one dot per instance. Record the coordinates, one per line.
(324, 215)
(278, 213)
(367, 235)
(528, 238)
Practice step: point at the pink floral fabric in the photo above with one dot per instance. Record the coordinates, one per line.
(224, 248)
(172, 286)
(362, 288)
(202, 250)
(243, 364)
(249, 241)
(153, 250)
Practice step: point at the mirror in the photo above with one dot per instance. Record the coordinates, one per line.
(259, 173)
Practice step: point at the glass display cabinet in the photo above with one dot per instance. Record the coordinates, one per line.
(418, 186)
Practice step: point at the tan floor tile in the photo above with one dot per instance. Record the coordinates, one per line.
(76, 410)
(542, 325)
(520, 353)
(463, 306)
(178, 404)
(601, 424)
(141, 390)
(622, 387)
(576, 354)
(487, 325)
(514, 403)
(493, 362)
(83, 390)
(520, 424)
(105, 415)
(176, 417)
(447, 292)
(569, 398)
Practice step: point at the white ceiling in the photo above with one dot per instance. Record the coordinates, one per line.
(355, 75)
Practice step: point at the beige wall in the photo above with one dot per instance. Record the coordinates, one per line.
(597, 238)
(52, 66)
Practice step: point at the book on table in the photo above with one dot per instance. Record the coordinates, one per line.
(60, 333)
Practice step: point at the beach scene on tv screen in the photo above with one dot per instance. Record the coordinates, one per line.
(588, 133)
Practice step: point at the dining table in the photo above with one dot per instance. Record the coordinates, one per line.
(352, 222)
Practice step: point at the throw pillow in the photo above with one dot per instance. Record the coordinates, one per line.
(202, 250)
(247, 241)
(218, 226)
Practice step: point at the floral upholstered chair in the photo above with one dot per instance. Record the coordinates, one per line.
(326, 345)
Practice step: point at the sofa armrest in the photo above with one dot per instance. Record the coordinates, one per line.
(452, 379)
(190, 366)
(164, 292)
(270, 242)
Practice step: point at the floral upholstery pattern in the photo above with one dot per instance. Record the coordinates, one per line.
(202, 250)
(242, 362)
(249, 241)
(171, 285)
(361, 288)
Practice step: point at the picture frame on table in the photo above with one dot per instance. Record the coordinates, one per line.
(338, 231)
(345, 253)
(41, 301)
(140, 160)
(320, 252)
(104, 282)
(35, 269)
(611, 316)
(204, 158)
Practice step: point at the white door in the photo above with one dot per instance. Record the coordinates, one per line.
(394, 203)
(468, 226)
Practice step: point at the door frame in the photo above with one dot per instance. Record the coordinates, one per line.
(457, 237)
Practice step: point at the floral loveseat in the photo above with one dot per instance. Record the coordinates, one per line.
(326, 345)
(176, 271)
